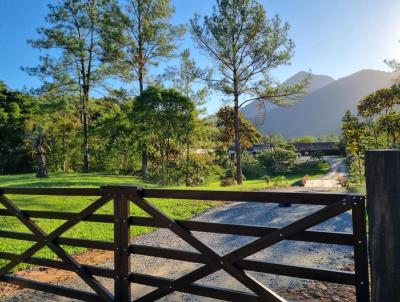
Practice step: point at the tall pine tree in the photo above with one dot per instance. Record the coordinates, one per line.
(74, 59)
(245, 47)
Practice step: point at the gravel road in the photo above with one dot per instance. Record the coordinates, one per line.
(271, 215)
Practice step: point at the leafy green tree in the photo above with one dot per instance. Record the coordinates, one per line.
(74, 62)
(163, 117)
(16, 109)
(317, 155)
(380, 110)
(114, 139)
(245, 47)
(148, 37)
(329, 138)
(273, 139)
(357, 139)
(225, 123)
(304, 139)
(280, 159)
(226, 137)
(390, 124)
(185, 78)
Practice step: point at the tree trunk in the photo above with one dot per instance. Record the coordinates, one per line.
(41, 170)
(85, 133)
(239, 176)
(145, 160)
(145, 154)
(64, 148)
(187, 162)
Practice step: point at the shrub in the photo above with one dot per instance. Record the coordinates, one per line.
(226, 182)
(317, 155)
(251, 167)
(279, 159)
(280, 181)
(199, 169)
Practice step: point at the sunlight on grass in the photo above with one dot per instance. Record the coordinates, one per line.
(102, 231)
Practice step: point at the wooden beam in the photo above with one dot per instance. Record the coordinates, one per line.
(383, 204)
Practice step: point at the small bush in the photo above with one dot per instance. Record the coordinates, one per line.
(227, 182)
(280, 159)
(317, 155)
(280, 181)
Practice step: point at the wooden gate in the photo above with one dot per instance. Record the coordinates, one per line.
(234, 263)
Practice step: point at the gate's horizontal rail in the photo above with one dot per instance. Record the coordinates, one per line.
(94, 270)
(103, 218)
(196, 289)
(50, 288)
(334, 276)
(221, 228)
(248, 230)
(54, 191)
(75, 242)
(265, 197)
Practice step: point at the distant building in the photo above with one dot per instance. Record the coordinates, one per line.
(304, 149)
(255, 149)
(328, 148)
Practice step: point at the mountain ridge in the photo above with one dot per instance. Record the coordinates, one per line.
(321, 110)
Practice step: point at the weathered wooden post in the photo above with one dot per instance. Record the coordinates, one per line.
(383, 206)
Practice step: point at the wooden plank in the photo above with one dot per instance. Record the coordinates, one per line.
(383, 204)
(52, 191)
(50, 288)
(86, 243)
(360, 248)
(195, 289)
(215, 261)
(266, 197)
(94, 270)
(122, 259)
(47, 240)
(249, 230)
(333, 276)
(252, 248)
(103, 218)
(289, 230)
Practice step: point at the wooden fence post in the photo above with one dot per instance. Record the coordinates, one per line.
(383, 205)
(122, 262)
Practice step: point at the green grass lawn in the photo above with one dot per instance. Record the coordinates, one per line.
(89, 230)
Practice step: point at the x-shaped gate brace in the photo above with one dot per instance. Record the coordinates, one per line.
(49, 240)
(229, 262)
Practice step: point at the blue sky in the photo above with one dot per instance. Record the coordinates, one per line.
(333, 37)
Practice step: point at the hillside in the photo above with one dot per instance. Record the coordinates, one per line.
(317, 82)
(320, 112)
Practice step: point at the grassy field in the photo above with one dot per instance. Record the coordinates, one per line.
(101, 231)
